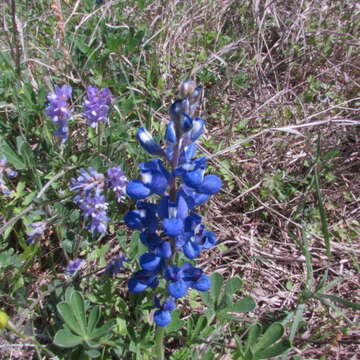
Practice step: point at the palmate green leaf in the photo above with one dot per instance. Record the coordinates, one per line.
(66, 313)
(274, 350)
(64, 338)
(78, 309)
(272, 334)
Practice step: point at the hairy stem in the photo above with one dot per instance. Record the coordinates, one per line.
(159, 343)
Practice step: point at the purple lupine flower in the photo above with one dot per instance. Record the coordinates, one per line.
(114, 266)
(97, 105)
(73, 266)
(38, 229)
(94, 209)
(87, 181)
(117, 181)
(58, 110)
(5, 170)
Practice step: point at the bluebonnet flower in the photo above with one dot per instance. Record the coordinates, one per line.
(117, 181)
(162, 317)
(73, 266)
(58, 110)
(97, 105)
(114, 266)
(5, 170)
(38, 229)
(171, 224)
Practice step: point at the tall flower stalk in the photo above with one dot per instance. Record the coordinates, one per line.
(170, 189)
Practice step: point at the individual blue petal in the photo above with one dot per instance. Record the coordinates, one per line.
(188, 153)
(200, 199)
(150, 262)
(170, 135)
(163, 207)
(197, 129)
(178, 108)
(169, 304)
(177, 289)
(151, 240)
(192, 221)
(141, 280)
(194, 178)
(134, 220)
(155, 181)
(164, 250)
(186, 123)
(191, 249)
(148, 143)
(182, 207)
(162, 317)
(209, 239)
(172, 273)
(148, 214)
(202, 284)
(137, 190)
(210, 185)
(135, 286)
(173, 227)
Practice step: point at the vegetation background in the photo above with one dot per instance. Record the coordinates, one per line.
(281, 103)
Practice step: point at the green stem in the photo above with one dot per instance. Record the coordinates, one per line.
(159, 343)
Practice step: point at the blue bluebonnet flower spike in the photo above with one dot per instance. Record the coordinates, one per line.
(170, 189)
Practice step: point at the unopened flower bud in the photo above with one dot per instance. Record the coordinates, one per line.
(187, 87)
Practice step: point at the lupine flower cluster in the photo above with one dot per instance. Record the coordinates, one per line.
(89, 187)
(58, 110)
(5, 170)
(96, 108)
(169, 223)
(35, 234)
(97, 105)
(74, 266)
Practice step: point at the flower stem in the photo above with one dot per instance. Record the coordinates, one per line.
(159, 343)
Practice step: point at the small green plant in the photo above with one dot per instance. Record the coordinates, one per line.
(261, 344)
(80, 328)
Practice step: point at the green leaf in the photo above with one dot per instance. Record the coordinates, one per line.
(274, 350)
(253, 335)
(11, 155)
(66, 339)
(216, 284)
(233, 285)
(93, 319)
(246, 304)
(341, 301)
(207, 299)
(176, 323)
(92, 353)
(66, 313)
(272, 334)
(103, 330)
(78, 308)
